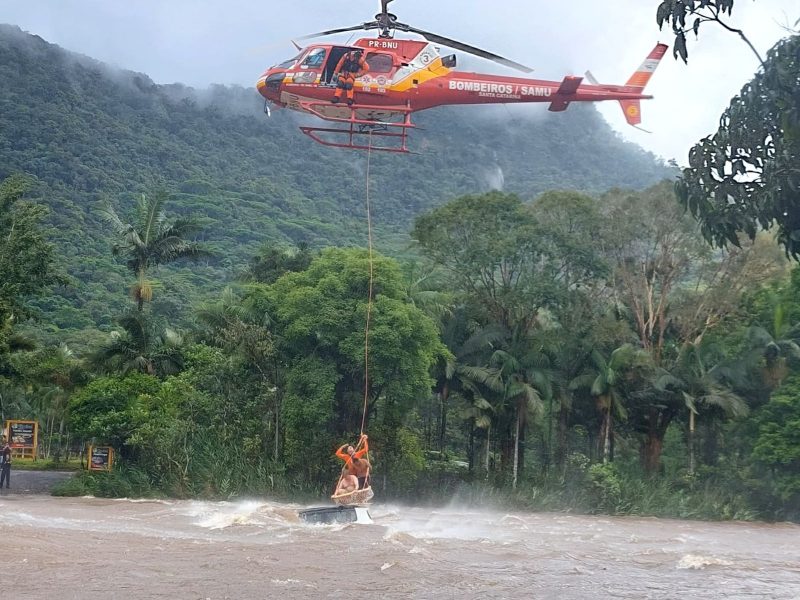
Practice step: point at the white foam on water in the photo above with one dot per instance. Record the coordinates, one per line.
(142, 500)
(96, 526)
(696, 561)
(221, 515)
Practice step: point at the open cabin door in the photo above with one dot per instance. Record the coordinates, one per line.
(336, 54)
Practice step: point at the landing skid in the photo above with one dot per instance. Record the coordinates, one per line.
(358, 121)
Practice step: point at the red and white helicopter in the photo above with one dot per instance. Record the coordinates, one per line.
(406, 76)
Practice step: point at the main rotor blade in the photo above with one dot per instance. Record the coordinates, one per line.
(438, 39)
(370, 25)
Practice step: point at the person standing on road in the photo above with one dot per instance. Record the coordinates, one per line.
(5, 463)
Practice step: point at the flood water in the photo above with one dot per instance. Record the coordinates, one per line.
(86, 548)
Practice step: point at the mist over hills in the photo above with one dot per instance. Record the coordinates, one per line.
(92, 133)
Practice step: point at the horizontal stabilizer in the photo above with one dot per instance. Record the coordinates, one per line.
(569, 86)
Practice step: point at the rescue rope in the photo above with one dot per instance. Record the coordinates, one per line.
(369, 297)
(369, 316)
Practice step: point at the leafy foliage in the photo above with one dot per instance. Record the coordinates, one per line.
(152, 241)
(746, 176)
(778, 442)
(686, 16)
(26, 255)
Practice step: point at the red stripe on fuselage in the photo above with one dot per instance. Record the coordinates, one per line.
(473, 88)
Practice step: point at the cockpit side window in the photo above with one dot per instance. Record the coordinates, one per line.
(315, 59)
(379, 62)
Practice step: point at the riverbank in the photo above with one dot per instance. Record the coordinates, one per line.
(34, 482)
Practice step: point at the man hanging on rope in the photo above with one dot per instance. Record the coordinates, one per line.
(351, 66)
(354, 461)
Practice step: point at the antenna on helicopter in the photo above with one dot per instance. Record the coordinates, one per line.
(387, 24)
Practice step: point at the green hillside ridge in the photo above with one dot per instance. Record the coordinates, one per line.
(93, 134)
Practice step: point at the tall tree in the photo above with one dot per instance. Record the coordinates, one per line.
(26, 256)
(243, 330)
(607, 383)
(319, 324)
(151, 240)
(526, 383)
(491, 247)
(674, 288)
(704, 390)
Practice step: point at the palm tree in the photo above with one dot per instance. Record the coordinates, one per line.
(151, 240)
(464, 367)
(478, 413)
(11, 343)
(52, 374)
(701, 388)
(771, 347)
(523, 370)
(145, 345)
(605, 381)
(424, 291)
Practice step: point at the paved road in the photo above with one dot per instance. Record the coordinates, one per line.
(34, 482)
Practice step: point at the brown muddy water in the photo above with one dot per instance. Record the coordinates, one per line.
(87, 548)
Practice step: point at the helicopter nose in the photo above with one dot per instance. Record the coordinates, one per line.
(269, 85)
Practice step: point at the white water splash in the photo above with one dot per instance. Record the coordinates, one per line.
(696, 561)
(221, 515)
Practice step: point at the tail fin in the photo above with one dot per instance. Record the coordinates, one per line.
(632, 108)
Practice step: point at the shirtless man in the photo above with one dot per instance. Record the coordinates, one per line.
(348, 483)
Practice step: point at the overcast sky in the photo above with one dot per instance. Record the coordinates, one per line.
(199, 42)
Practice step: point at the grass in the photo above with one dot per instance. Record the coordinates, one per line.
(46, 464)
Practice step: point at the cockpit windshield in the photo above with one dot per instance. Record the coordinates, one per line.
(314, 59)
(288, 63)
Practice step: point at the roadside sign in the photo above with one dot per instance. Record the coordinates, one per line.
(101, 458)
(23, 437)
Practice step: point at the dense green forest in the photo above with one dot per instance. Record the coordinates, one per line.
(177, 280)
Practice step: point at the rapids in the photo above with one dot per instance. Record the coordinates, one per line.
(90, 548)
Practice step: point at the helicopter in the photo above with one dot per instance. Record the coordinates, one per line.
(406, 76)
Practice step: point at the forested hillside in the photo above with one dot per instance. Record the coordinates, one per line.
(93, 134)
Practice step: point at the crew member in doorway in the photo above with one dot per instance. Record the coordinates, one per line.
(351, 66)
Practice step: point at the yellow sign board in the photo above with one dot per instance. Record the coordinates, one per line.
(23, 437)
(101, 458)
